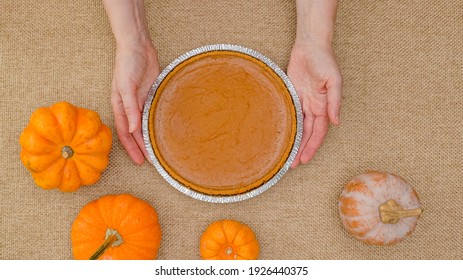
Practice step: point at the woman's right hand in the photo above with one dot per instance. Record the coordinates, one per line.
(136, 68)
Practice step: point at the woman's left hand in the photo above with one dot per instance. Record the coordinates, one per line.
(317, 79)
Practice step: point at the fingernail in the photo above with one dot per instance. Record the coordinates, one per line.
(138, 162)
(131, 127)
(338, 120)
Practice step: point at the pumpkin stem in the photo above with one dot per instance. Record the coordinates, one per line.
(112, 239)
(391, 212)
(67, 152)
(228, 251)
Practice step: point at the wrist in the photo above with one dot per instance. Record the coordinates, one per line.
(314, 42)
(128, 22)
(315, 21)
(135, 40)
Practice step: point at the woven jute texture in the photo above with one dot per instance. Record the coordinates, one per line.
(402, 112)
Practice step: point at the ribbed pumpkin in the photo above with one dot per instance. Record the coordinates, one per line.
(228, 240)
(65, 147)
(118, 227)
(379, 208)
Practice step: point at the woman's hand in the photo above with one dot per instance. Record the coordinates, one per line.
(135, 70)
(315, 75)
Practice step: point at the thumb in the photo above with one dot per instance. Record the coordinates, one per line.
(334, 96)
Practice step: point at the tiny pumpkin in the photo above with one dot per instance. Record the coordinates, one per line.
(119, 227)
(379, 208)
(65, 147)
(228, 240)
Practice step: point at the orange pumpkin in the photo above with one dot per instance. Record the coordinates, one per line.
(65, 147)
(119, 227)
(228, 240)
(379, 208)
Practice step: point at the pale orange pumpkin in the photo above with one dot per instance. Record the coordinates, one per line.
(379, 208)
(228, 240)
(119, 227)
(65, 147)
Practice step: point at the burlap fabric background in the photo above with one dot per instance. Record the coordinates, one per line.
(402, 112)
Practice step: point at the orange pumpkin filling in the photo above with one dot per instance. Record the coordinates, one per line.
(222, 123)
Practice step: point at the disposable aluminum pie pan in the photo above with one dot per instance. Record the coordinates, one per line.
(215, 198)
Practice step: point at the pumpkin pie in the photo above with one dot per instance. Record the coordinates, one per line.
(222, 123)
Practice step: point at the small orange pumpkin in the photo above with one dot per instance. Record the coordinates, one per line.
(65, 147)
(228, 240)
(379, 208)
(119, 227)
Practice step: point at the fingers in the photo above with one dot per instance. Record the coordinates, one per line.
(334, 95)
(130, 144)
(138, 137)
(307, 128)
(130, 105)
(320, 129)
